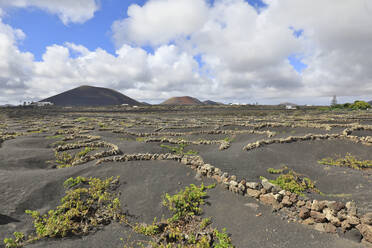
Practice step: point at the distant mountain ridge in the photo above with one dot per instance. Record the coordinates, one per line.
(90, 96)
(209, 102)
(183, 100)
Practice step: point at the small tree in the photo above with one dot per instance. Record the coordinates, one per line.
(334, 101)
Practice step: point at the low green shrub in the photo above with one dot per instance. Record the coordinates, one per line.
(18, 240)
(82, 209)
(295, 183)
(179, 149)
(187, 201)
(349, 161)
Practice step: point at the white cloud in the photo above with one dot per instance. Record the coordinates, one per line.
(159, 21)
(69, 11)
(244, 54)
(15, 66)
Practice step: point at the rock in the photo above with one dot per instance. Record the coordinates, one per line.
(233, 186)
(282, 192)
(253, 193)
(241, 188)
(341, 215)
(308, 204)
(253, 185)
(345, 225)
(366, 219)
(268, 199)
(351, 208)
(308, 221)
(325, 227)
(366, 231)
(233, 178)
(267, 185)
(329, 214)
(318, 205)
(304, 213)
(217, 178)
(335, 206)
(278, 197)
(353, 220)
(286, 201)
(293, 197)
(330, 228)
(300, 203)
(275, 189)
(318, 217)
(353, 234)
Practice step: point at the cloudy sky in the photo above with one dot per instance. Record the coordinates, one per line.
(226, 50)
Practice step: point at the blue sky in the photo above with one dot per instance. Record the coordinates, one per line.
(43, 29)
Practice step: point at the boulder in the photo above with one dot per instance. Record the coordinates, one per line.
(366, 231)
(351, 208)
(318, 217)
(268, 199)
(308, 221)
(325, 227)
(253, 185)
(253, 193)
(353, 220)
(318, 205)
(366, 219)
(267, 185)
(336, 206)
(300, 203)
(304, 213)
(287, 201)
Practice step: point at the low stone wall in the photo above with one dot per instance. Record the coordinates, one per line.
(113, 150)
(223, 143)
(324, 216)
(367, 140)
(88, 138)
(291, 139)
(229, 132)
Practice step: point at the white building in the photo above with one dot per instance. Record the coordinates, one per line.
(290, 107)
(42, 104)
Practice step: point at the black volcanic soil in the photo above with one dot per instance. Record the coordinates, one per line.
(27, 181)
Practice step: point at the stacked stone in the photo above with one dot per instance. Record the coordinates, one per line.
(112, 152)
(88, 138)
(325, 216)
(223, 143)
(268, 133)
(291, 139)
(83, 144)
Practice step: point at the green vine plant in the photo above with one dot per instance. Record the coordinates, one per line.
(348, 161)
(185, 229)
(65, 160)
(292, 181)
(179, 149)
(88, 204)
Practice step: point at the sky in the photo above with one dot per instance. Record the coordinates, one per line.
(240, 51)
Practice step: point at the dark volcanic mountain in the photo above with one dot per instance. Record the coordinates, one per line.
(183, 100)
(90, 96)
